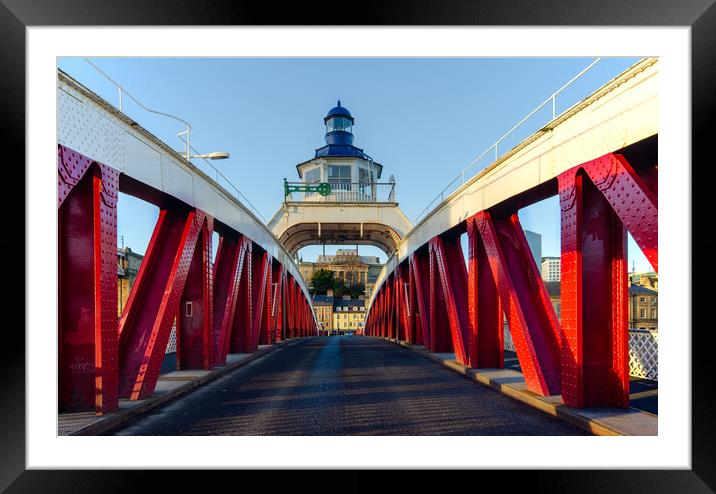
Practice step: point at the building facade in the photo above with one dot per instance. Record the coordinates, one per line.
(348, 315)
(643, 308)
(323, 307)
(551, 268)
(348, 266)
(128, 263)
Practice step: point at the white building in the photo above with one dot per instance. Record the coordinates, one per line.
(551, 268)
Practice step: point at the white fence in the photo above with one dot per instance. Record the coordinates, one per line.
(643, 352)
(172, 345)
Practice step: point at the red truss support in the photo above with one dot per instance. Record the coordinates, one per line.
(195, 319)
(232, 304)
(87, 305)
(420, 278)
(279, 305)
(533, 324)
(261, 281)
(401, 319)
(390, 306)
(486, 342)
(292, 321)
(632, 198)
(448, 283)
(599, 201)
(154, 301)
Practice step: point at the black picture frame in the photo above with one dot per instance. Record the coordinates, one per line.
(16, 15)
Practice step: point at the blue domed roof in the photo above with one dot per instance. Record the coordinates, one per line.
(338, 110)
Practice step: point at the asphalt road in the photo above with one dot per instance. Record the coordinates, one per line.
(345, 386)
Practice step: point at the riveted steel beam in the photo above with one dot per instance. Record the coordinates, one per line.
(449, 280)
(532, 321)
(195, 318)
(154, 301)
(486, 342)
(87, 285)
(597, 199)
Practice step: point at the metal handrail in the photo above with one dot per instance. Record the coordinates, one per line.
(461, 175)
(189, 148)
(344, 189)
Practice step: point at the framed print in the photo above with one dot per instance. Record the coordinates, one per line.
(45, 41)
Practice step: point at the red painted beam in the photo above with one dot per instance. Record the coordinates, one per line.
(87, 285)
(195, 318)
(594, 297)
(261, 267)
(154, 301)
(441, 339)
(533, 324)
(486, 342)
(241, 333)
(419, 268)
(631, 197)
(451, 311)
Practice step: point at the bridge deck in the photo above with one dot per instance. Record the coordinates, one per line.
(346, 386)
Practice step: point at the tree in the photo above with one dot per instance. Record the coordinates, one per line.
(356, 290)
(321, 281)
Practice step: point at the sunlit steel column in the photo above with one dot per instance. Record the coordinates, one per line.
(595, 353)
(486, 343)
(87, 285)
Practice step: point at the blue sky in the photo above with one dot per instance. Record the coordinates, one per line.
(423, 119)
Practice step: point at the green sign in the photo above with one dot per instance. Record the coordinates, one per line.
(323, 188)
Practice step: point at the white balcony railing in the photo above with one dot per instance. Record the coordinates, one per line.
(643, 352)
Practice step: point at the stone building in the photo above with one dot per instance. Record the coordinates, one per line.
(128, 263)
(348, 315)
(347, 266)
(643, 307)
(323, 307)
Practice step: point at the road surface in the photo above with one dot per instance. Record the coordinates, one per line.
(347, 385)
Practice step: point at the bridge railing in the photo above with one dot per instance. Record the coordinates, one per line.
(205, 165)
(643, 352)
(344, 193)
(490, 155)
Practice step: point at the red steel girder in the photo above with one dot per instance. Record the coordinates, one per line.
(419, 270)
(594, 297)
(449, 265)
(630, 197)
(401, 305)
(147, 320)
(87, 285)
(531, 317)
(279, 302)
(261, 269)
(195, 318)
(486, 342)
(230, 314)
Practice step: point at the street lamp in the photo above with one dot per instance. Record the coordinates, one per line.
(217, 155)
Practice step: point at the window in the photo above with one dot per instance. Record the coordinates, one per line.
(339, 174)
(338, 123)
(313, 175)
(642, 313)
(355, 309)
(642, 299)
(653, 313)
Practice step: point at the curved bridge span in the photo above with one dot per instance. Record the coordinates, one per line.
(251, 294)
(600, 158)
